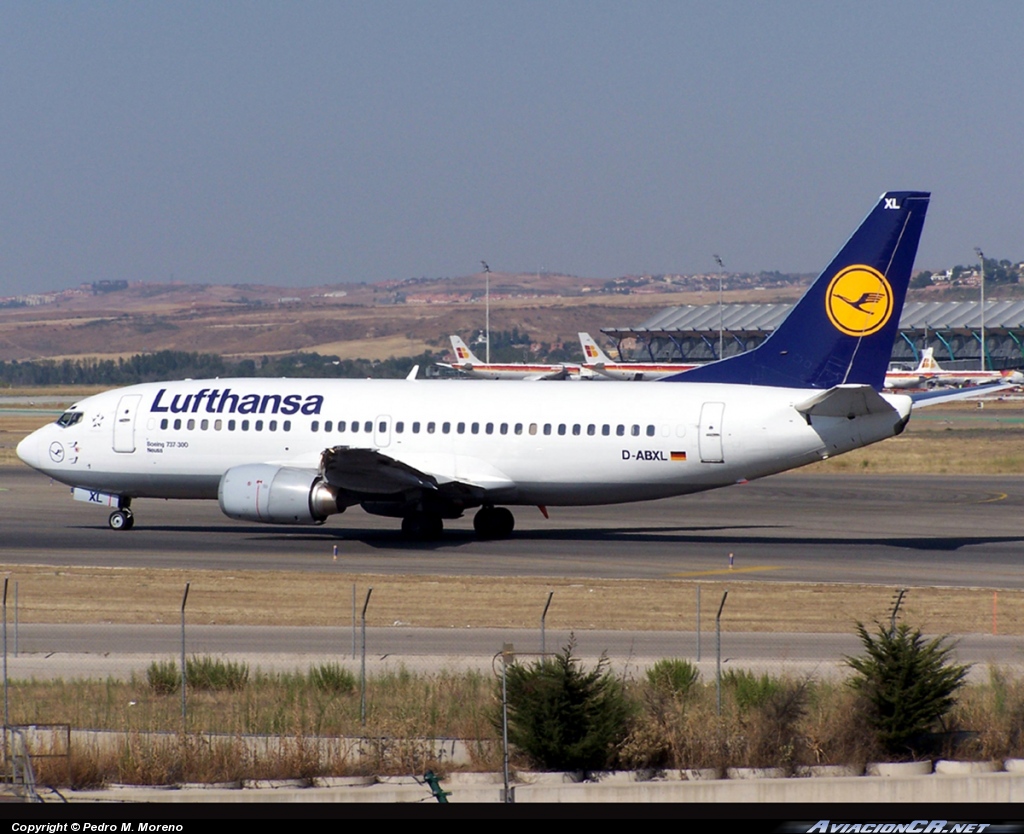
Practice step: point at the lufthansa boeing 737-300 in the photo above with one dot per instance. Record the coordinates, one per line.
(295, 451)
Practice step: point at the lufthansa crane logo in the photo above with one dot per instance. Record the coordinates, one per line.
(859, 301)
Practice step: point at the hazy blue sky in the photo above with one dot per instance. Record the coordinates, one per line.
(309, 143)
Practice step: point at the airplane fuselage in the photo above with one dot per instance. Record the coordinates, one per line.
(548, 445)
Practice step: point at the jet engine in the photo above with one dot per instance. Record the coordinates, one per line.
(276, 495)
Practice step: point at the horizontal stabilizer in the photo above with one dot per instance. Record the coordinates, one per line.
(926, 398)
(845, 401)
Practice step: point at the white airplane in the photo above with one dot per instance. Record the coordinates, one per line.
(295, 451)
(597, 361)
(929, 372)
(468, 363)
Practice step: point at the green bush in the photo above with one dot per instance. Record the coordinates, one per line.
(163, 677)
(213, 674)
(674, 676)
(564, 717)
(908, 683)
(752, 691)
(332, 677)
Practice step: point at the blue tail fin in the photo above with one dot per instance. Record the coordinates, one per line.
(843, 328)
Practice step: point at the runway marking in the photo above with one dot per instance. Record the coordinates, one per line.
(999, 497)
(724, 571)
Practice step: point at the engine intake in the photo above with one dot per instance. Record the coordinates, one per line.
(276, 495)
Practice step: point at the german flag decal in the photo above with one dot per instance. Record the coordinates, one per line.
(678, 455)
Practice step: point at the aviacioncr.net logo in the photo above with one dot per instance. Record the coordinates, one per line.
(859, 301)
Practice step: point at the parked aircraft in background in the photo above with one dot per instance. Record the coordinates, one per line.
(295, 451)
(598, 362)
(930, 373)
(468, 363)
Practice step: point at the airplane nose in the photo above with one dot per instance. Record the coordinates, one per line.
(28, 450)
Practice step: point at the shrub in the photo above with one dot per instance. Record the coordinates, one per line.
(752, 691)
(163, 677)
(908, 683)
(213, 674)
(564, 717)
(674, 676)
(332, 677)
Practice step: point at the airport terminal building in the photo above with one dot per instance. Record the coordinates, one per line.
(952, 328)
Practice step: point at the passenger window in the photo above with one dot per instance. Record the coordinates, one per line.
(576, 428)
(287, 425)
(475, 428)
(461, 428)
(382, 427)
(177, 424)
(259, 425)
(218, 425)
(341, 426)
(231, 425)
(245, 425)
(416, 427)
(547, 428)
(635, 431)
(430, 428)
(399, 427)
(561, 428)
(533, 428)
(519, 428)
(355, 426)
(591, 429)
(606, 430)
(190, 425)
(368, 426)
(446, 428)
(489, 428)
(650, 431)
(204, 425)
(315, 426)
(620, 430)
(504, 428)
(273, 425)
(163, 423)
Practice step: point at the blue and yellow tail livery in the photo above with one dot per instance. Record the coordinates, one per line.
(843, 328)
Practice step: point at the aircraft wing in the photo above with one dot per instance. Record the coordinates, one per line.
(368, 472)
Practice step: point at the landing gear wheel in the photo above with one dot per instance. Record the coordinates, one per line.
(121, 520)
(494, 523)
(425, 527)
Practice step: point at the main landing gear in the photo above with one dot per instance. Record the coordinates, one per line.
(121, 520)
(421, 526)
(494, 523)
(489, 523)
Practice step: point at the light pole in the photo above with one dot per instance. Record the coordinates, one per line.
(721, 309)
(487, 308)
(981, 257)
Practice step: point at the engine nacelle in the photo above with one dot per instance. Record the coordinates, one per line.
(276, 495)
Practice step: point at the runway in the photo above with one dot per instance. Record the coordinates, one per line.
(908, 530)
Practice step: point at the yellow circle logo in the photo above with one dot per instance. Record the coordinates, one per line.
(859, 301)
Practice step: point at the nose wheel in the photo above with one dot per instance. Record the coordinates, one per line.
(121, 520)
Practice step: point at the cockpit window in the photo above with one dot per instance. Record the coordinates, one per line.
(69, 418)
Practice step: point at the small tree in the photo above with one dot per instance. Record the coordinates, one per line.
(909, 683)
(564, 717)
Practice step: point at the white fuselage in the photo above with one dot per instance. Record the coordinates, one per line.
(523, 444)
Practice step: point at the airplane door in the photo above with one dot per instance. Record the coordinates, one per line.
(124, 423)
(711, 433)
(382, 431)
